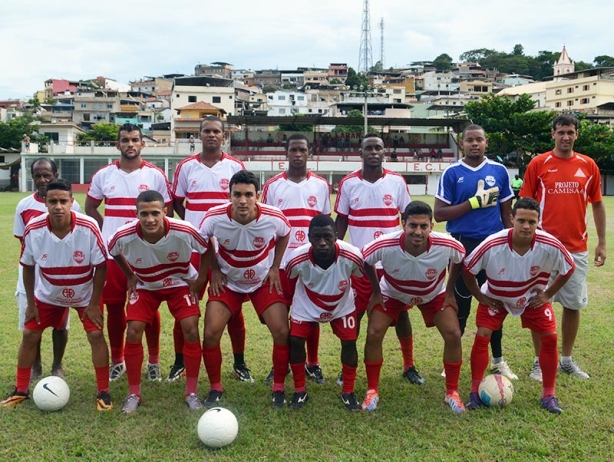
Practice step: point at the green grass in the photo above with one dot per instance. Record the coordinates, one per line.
(411, 422)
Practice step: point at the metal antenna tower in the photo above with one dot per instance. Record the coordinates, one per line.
(365, 56)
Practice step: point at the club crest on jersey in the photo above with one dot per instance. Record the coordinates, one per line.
(388, 199)
(133, 298)
(143, 187)
(522, 301)
(300, 235)
(534, 270)
(490, 180)
(377, 234)
(249, 274)
(258, 242)
(431, 273)
(173, 256)
(343, 285)
(326, 317)
(312, 201)
(78, 256)
(224, 183)
(415, 301)
(68, 293)
(279, 201)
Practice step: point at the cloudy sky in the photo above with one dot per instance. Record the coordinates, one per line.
(125, 41)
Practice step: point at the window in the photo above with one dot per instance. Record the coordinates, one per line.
(557, 104)
(570, 90)
(282, 110)
(83, 105)
(191, 99)
(570, 102)
(584, 100)
(216, 99)
(281, 97)
(397, 91)
(109, 106)
(300, 98)
(86, 117)
(586, 87)
(558, 92)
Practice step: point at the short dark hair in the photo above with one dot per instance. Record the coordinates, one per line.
(473, 127)
(128, 127)
(210, 119)
(59, 184)
(526, 203)
(244, 177)
(565, 119)
(371, 135)
(417, 208)
(151, 195)
(298, 136)
(321, 221)
(54, 167)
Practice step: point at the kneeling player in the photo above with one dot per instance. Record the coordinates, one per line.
(518, 263)
(154, 252)
(414, 261)
(323, 293)
(70, 254)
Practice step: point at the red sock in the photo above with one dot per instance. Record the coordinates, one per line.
(407, 350)
(452, 375)
(102, 378)
(134, 363)
(152, 335)
(548, 361)
(281, 356)
(479, 360)
(192, 354)
(349, 378)
(178, 337)
(298, 375)
(373, 371)
(313, 345)
(236, 332)
(22, 382)
(212, 355)
(116, 328)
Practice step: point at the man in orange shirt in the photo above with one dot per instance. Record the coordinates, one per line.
(564, 182)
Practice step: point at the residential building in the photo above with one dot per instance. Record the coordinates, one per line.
(536, 90)
(217, 69)
(337, 71)
(187, 121)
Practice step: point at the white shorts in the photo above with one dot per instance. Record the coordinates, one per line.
(574, 294)
(22, 306)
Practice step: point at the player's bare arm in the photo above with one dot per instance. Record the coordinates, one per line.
(179, 207)
(170, 209)
(130, 276)
(540, 297)
(92, 310)
(472, 284)
(218, 279)
(91, 209)
(376, 295)
(196, 285)
(341, 224)
(273, 274)
(506, 213)
(453, 273)
(447, 212)
(599, 218)
(28, 282)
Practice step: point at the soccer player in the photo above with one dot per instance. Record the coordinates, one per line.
(564, 182)
(322, 270)
(43, 170)
(252, 238)
(414, 262)
(518, 263)
(119, 184)
(368, 203)
(474, 197)
(154, 253)
(67, 249)
(201, 182)
(301, 195)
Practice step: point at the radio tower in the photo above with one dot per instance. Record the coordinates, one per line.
(365, 56)
(381, 47)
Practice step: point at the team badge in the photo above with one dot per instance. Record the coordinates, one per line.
(522, 301)
(326, 317)
(78, 256)
(134, 298)
(377, 234)
(143, 187)
(493, 311)
(68, 293)
(343, 285)
(534, 270)
(258, 242)
(300, 235)
(279, 201)
(249, 274)
(388, 199)
(431, 273)
(415, 301)
(312, 201)
(173, 256)
(224, 183)
(490, 180)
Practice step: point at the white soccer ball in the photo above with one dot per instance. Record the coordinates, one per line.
(218, 427)
(51, 394)
(496, 391)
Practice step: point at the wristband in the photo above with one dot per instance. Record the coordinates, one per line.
(474, 202)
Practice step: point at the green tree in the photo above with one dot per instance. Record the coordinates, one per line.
(356, 80)
(293, 127)
(604, 61)
(518, 50)
(597, 141)
(443, 63)
(354, 113)
(11, 133)
(376, 68)
(102, 131)
(582, 66)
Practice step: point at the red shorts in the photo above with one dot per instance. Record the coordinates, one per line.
(115, 285)
(540, 320)
(395, 307)
(344, 328)
(261, 299)
(363, 290)
(288, 286)
(55, 316)
(144, 306)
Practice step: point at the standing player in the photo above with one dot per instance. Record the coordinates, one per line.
(201, 182)
(43, 170)
(518, 263)
(67, 249)
(475, 198)
(322, 270)
(368, 203)
(414, 262)
(119, 184)
(154, 253)
(301, 195)
(252, 238)
(564, 182)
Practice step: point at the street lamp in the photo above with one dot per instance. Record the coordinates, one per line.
(365, 109)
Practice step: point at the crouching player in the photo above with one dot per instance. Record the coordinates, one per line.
(414, 261)
(518, 263)
(154, 253)
(322, 271)
(68, 250)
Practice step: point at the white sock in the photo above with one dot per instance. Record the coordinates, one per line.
(497, 360)
(565, 359)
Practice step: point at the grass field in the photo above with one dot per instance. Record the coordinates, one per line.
(411, 422)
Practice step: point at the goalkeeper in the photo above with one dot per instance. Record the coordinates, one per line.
(474, 197)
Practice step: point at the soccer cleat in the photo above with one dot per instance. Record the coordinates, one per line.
(279, 398)
(241, 372)
(315, 373)
(177, 371)
(103, 401)
(350, 402)
(551, 404)
(193, 402)
(15, 398)
(474, 402)
(536, 372)
(371, 400)
(453, 400)
(572, 368)
(153, 373)
(131, 404)
(413, 376)
(298, 400)
(213, 398)
(502, 369)
(340, 379)
(116, 371)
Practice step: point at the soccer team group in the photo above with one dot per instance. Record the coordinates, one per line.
(285, 254)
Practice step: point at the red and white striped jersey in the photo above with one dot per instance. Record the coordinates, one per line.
(511, 277)
(245, 252)
(203, 187)
(372, 208)
(163, 264)
(120, 189)
(299, 202)
(413, 280)
(322, 295)
(66, 266)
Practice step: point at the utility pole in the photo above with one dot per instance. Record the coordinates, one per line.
(381, 48)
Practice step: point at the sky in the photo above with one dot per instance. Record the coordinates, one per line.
(124, 41)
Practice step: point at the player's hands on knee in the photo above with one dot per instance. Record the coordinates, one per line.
(374, 300)
(32, 313)
(93, 312)
(490, 302)
(274, 280)
(484, 197)
(217, 283)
